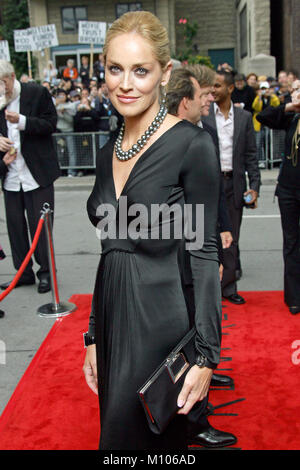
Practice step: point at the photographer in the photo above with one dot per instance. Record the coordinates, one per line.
(263, 99)
(86, 120)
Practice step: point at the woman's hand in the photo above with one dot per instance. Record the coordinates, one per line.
(90, 368)
(195, 388)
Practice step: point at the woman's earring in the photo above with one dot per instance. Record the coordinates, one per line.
(164, 95)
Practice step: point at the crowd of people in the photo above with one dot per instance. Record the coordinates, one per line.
(83, 106)
(88, 106)
(255, 92)
(194, 134)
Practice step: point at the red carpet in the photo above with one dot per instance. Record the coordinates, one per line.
(53, 409)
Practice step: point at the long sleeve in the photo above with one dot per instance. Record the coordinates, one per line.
(91, 330)
(257, 104)
(251, 162)
(92, 205)
(224, 219)
(275, 117)
(200, 176)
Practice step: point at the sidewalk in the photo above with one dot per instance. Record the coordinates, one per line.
(268, 177)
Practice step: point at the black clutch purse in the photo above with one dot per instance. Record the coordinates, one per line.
(159, 393)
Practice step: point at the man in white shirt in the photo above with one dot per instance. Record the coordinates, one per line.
(237, 157)
(27, 121)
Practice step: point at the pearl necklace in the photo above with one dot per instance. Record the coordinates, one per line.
(136, 148)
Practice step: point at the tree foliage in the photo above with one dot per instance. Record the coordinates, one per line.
(15, 16)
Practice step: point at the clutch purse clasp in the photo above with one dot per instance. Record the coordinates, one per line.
(176, 366)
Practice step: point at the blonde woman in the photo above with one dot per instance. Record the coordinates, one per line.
(139, 312)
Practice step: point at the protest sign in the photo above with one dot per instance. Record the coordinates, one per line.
(44, 36)
(4, 51)
(91, 32)
(23, 40)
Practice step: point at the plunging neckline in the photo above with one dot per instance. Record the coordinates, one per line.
(136, 163)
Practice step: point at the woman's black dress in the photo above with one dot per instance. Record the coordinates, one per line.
(288, 193)
(139, 312)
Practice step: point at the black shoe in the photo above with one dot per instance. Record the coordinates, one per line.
(2, 314)
(212, 438)
(294, 310)
(44, 286)
(219, 380)
(19, 283)
(235, 299)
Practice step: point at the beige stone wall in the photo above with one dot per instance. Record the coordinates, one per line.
(258, 29)
(262, 22)
(100, 10)
(38, 17)
(49, 12)
(216, 19)
(291, 37)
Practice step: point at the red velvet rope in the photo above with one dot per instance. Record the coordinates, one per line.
(26, 260)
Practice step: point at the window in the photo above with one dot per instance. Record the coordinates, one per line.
(243, 32)
(70, 17)
(122, 8)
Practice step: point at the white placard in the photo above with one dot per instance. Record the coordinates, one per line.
(44, 36)
(91, 32)
(4, 51)
(23, 40)
(35, 38)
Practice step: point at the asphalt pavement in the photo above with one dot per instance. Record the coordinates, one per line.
(77, 253)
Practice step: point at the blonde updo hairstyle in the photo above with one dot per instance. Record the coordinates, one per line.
(149, 27)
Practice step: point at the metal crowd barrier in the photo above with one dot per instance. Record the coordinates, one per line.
(78, 150)
(270, 147)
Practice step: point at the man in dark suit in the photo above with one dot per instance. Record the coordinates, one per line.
(27, 120)
(237, 150)
(187, 100)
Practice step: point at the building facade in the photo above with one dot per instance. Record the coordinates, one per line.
(251, 35)
(289, 14)
(65, 15)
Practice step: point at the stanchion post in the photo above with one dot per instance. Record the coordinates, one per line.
(56, 308)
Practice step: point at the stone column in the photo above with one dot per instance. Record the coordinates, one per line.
(38, 17)
(259, 38)
(165, 11)
(291, 39)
